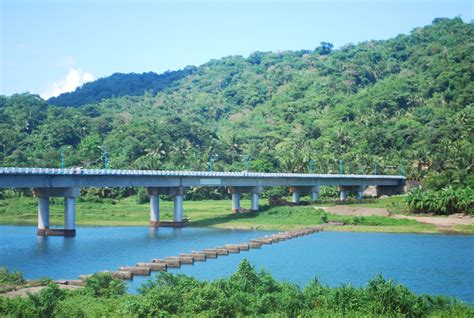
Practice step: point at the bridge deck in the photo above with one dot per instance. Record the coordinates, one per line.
(53, 177)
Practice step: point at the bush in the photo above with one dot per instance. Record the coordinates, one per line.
(142, 196)
(11, 278)
(103, 285)
(329, 192)
(247, 292)
(446, 201)
(45, 302)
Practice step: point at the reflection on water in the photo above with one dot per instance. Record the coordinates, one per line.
(433, 264)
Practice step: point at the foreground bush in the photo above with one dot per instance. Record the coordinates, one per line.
(245, 293)
(10, 278)
(445, 201)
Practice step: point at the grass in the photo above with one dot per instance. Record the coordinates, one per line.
(216, 213)
(394, 204)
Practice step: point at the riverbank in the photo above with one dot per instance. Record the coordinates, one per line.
(246, 292)
(216, 213)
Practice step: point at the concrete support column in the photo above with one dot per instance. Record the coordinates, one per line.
(314, 196)
(154, 210)
(360, 194)
(154, 206)
(178, 208)
(296, 198)
(70, 216)
(235, 202)
(43, 215)
(343, 196)
(69, 195)
(254, 203)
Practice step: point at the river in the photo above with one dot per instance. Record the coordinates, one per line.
(425, 263)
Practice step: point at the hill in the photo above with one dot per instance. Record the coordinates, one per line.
(404, 101)
(120, 84)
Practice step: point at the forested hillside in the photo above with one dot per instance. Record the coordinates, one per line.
(120, 84)
(406, 100)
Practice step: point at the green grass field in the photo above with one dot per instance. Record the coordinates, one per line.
(216, 213)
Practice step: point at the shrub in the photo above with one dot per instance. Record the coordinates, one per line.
(47, 299)
(446, 201)
(103, 285)
(10, 278)
(329, 192)
(142, 196)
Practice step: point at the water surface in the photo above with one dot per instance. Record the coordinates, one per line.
(433, 264)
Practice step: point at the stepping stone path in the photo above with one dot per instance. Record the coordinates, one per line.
(145, 268)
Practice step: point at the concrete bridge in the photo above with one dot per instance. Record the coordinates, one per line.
(48, 182)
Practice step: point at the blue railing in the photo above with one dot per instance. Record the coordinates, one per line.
(123, 172)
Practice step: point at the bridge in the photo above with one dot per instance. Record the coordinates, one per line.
(51, 182)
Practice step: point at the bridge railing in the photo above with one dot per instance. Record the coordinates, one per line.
(185, 173)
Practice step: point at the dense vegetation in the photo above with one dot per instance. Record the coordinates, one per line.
(446, 201)
(405, 101)
(120, 84)
(245, 293)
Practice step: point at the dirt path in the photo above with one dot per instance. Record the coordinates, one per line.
(33, 290)
(354, 210)
(444, 223)
(440, 221)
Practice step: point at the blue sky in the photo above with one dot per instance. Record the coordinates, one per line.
(51, 46)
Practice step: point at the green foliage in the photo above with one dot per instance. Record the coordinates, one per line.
(329, 192)
(103, 285)
(46, 301)
(247, 292)
(10, 278)
(119, 84)
(142, 196)
(79, 305)
(446, 201)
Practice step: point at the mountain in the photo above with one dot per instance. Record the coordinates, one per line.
(403, 101)
(120, 84)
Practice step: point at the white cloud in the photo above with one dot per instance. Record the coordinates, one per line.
(74, 79)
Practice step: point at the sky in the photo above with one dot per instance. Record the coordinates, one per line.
(53, 46)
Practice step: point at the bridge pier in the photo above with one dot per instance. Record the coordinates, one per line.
(43, 215)
(359, 190)
(177, 193)
(343, 195)
(235, 202)
(296, 198)
(154, 206)
(297, 191)
(69, 195)
(70, 216)
(178, 208)
(237, 193)
(254, 203)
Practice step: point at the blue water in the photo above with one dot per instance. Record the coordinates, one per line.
(433, 264)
